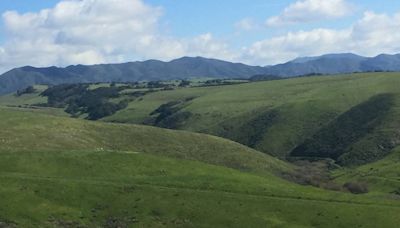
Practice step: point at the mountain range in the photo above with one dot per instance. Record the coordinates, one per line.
(191, 67)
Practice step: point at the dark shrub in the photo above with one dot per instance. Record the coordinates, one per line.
(184, 83)
(356, 187)
(27, 90)
(78, 99)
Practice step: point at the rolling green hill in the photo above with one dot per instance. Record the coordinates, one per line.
(23, 130)
(280, 116)
(301, 117)
(63, 172)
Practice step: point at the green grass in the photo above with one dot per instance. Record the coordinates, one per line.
(25, 99)
(302, 106)
(91, 188)
(381, 176)
(26, 131)
(337, 139)
(29, 102)
(63, 172)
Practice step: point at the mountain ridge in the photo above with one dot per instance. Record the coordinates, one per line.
(192, 67)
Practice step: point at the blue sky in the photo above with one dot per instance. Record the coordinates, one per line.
(257, 32)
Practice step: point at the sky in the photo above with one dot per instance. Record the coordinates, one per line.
(257, 32)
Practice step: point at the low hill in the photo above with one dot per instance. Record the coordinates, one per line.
(24, 130)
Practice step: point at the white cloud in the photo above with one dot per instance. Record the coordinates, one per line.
(311, 10)
(246, 24)
(207, 46)
(373, 34)
(95, 31)
(104, 31)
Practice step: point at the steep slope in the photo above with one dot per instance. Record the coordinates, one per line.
(337, 139)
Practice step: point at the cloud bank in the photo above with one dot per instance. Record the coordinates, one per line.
(311, 10)
(371, 35)
(105, 31)
(96, 31)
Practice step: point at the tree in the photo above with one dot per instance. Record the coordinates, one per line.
(184, 83)
(27, 90)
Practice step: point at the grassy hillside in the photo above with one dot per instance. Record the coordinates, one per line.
(29, 101)
(63, 172)
(23, 130)
(14, 99)
(278, 116)
(381, 176)
(112, 189)
(299, 117)
(294, 117)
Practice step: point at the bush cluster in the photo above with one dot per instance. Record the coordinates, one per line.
(27, 90)
(78, 99)
(356, 187)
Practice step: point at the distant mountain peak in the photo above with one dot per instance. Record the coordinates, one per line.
(327, 56)
(195, 58)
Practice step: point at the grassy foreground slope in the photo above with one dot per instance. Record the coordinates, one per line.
(23, 130)
(62, 172)
(111, 189)
(278, 116)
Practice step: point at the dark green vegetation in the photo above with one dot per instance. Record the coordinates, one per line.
(340, 134)
(79, 99)
(168, 115)
(333, 140)
(27, 90)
